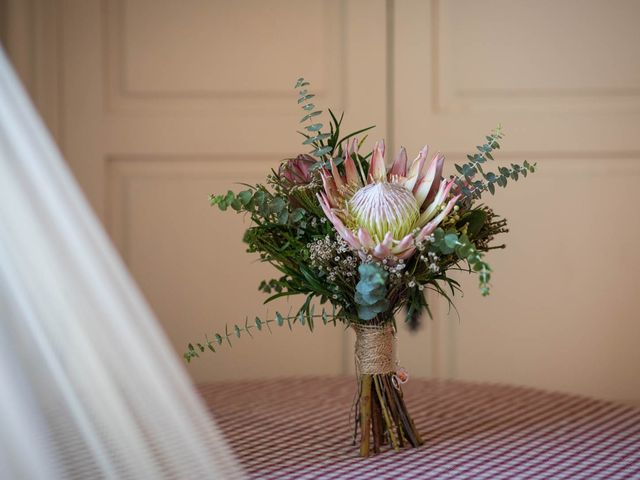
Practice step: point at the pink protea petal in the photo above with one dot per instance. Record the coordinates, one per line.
(346, 148)
(399, 167)
(428, 184)
(365, 239)
(350, 150)
(415, 171)
(421, 190)
(377, 169)
(329, 188)
(381, 251)
(430, 227)
(431, 210)
(441, 216)
(407, 241)
(337, 178)
(437, 165)
(353, 177)
(325, 205)
(346, 234)
(427, 230)
(388, 240)
(405, 247)
(407, 253)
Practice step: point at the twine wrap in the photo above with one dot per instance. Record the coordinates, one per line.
(374, 349)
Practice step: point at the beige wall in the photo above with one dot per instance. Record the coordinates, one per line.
(157, 104)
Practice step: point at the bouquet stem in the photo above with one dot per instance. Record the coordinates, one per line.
(382, 415)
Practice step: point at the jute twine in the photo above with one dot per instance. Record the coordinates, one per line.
(374, 349)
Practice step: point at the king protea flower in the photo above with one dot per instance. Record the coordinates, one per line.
(385, 214)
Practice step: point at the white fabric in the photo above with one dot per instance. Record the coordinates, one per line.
(89, 386)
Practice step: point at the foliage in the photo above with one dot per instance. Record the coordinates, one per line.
(474, 188)
(371, 291)
(194, 351)
(326, 146)
(292, 232)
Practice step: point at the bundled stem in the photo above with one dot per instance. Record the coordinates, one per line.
(382, 413)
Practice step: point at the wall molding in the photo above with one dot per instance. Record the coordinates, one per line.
(447, 99)
(121, 97)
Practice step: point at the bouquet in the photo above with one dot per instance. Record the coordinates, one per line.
(363, 242)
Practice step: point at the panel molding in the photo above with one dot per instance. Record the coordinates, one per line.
(446, 99)
(123, 98)
(122, 170)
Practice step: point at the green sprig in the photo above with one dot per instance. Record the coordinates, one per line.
(451, 241)
(473, 189)
(258, 324)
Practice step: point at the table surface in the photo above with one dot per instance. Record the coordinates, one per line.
(302, 429)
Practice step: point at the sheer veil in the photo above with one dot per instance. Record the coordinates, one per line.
(89, 386)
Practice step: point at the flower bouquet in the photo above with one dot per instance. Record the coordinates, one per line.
(362, 242)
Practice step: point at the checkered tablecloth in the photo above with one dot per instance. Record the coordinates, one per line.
(301, 429)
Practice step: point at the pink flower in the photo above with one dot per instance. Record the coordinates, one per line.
(386, 213)
(297, 171)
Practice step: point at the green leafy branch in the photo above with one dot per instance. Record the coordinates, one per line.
(474, 188)
(304, 316)
(314, 137)
(261, 204)
(451, 242)
(325, 145)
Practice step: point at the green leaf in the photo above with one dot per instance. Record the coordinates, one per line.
(304, 98)
(309, 116)
(317, 138)
(451, 240)
(309, 107)
(236, 204)
(322, 151)
(245, 196)
(297, 215)
(357, 132)
(314, 127)
(218, 338)
(279, 319)
(258, 323)
(474, 220)
(283, 217)
(371, 291)
(278, 205)
(465, 250)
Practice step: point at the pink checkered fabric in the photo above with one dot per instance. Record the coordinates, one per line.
(301, 429)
